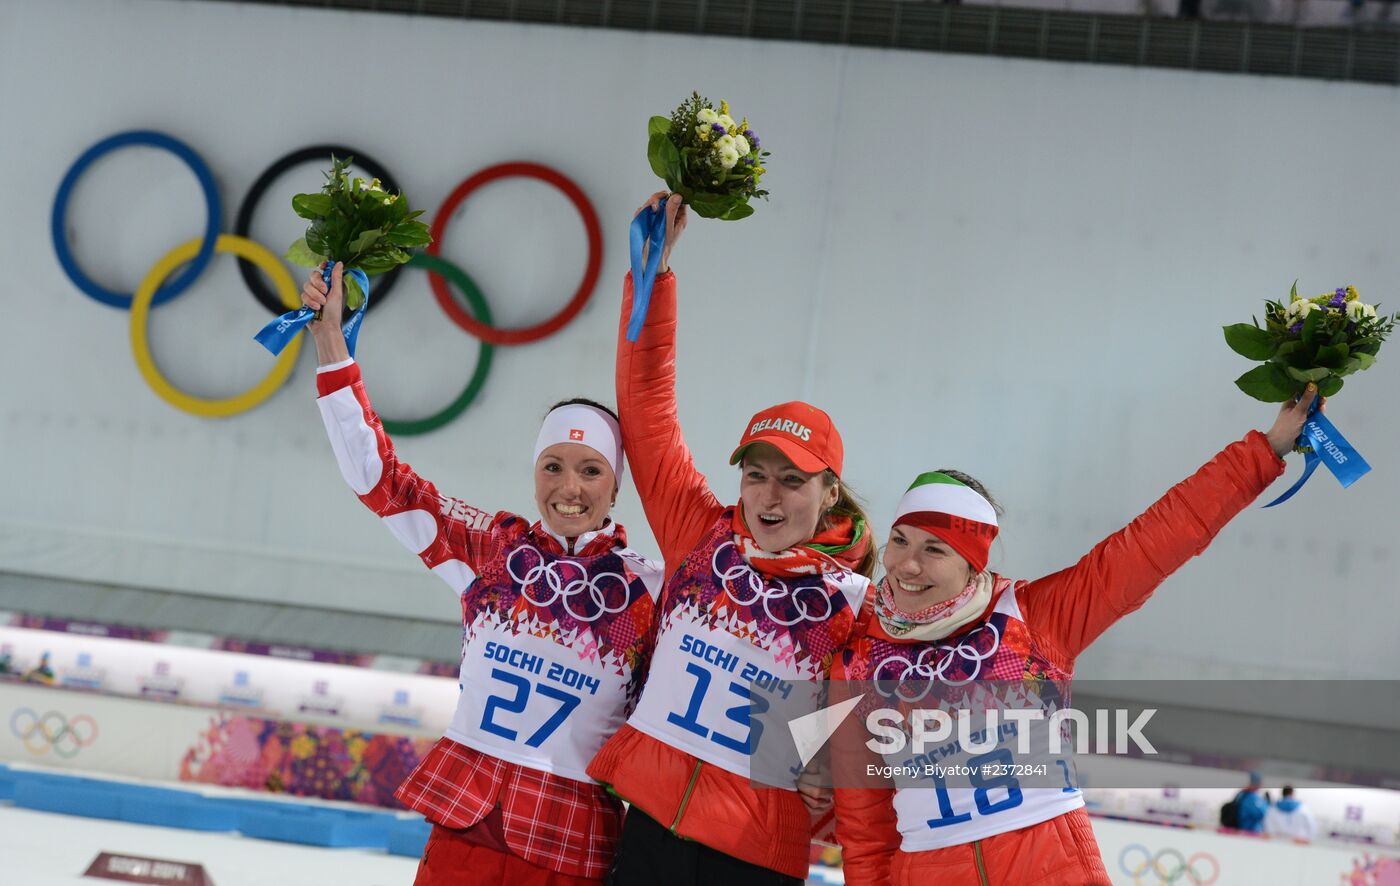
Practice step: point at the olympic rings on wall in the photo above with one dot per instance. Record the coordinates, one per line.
(243, 222)
(213, 208)
(443, 275)
(590, 271)
(141, 349)
(459, 278)
(53, 731)
(1169, 866)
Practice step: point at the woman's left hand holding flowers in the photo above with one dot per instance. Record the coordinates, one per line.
(1291, 418)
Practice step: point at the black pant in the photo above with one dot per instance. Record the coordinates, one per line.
(649, 854)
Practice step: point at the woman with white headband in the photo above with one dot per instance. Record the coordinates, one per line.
(943, 618)
(559, 620)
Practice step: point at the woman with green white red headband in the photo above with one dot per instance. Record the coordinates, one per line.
(764, 590)
(944, 619)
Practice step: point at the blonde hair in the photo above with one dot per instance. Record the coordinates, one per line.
(848, 504)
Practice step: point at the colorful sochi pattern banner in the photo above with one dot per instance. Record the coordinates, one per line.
(303, 759)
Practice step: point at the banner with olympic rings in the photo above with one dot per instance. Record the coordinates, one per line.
(1168, 865)
(181, 267)
(52, 732)
(1140, 854)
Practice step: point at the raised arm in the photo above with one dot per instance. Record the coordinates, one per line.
(1075, 605)
(678, 502)
(449, 536)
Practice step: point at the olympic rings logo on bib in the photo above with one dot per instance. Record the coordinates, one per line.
(966, 654)
(566, 581)
(746, 587)
(53, 731)
(175, 272)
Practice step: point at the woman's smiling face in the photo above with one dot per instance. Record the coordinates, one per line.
(575, 488)
(922, 569)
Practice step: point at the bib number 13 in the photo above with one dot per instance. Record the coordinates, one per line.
(517, 703)
(738, 714)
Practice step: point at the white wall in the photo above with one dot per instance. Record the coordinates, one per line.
(1015, 268)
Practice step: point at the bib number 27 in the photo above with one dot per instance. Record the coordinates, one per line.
(516, 704)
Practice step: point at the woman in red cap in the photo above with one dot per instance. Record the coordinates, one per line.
(943, 619)
(558, 619)
(766, 590)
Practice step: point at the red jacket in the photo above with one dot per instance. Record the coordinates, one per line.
(1063, 614)
(698, 801)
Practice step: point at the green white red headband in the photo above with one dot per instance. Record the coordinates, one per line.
(953, 511)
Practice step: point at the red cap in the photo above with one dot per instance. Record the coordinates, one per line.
(800, 431)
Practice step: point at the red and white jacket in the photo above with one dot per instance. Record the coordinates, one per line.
(556, 642)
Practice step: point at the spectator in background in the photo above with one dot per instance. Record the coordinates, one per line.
(41, 672)
(1289, 818)
(1252, 806)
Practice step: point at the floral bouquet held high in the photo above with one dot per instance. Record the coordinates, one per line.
(365, 227)
(1317, 341)
(714, 163)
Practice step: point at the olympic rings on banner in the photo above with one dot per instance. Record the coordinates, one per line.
(552, 571)
(965, 653)
(1180, 866)
(436, 265)
(755, 587)
(242, 224)
(53, 732)
(141, 349)
(213, 209)
(195, 255)
(590, 272)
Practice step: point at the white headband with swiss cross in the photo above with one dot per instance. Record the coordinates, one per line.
(588, 425)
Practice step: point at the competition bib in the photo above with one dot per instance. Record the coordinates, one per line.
(703, 688)
(534, 702)
(989, 792)
(551, 646)
(732, 642)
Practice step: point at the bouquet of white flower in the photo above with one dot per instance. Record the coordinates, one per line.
(1318, 340)
(1312, 341)
(714, 163)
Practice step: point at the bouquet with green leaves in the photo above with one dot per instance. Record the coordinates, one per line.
(714, 163)
(361, 225)
(1319, 340)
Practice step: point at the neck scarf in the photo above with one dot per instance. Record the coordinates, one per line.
(937, 621)
(841, 545)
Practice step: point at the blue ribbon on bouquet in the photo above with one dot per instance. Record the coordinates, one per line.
(648, 227)
(1322, 443)
(275, 335)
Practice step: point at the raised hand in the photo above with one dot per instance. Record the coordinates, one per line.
(1289, 423)
(330, 343)
(677, 215)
